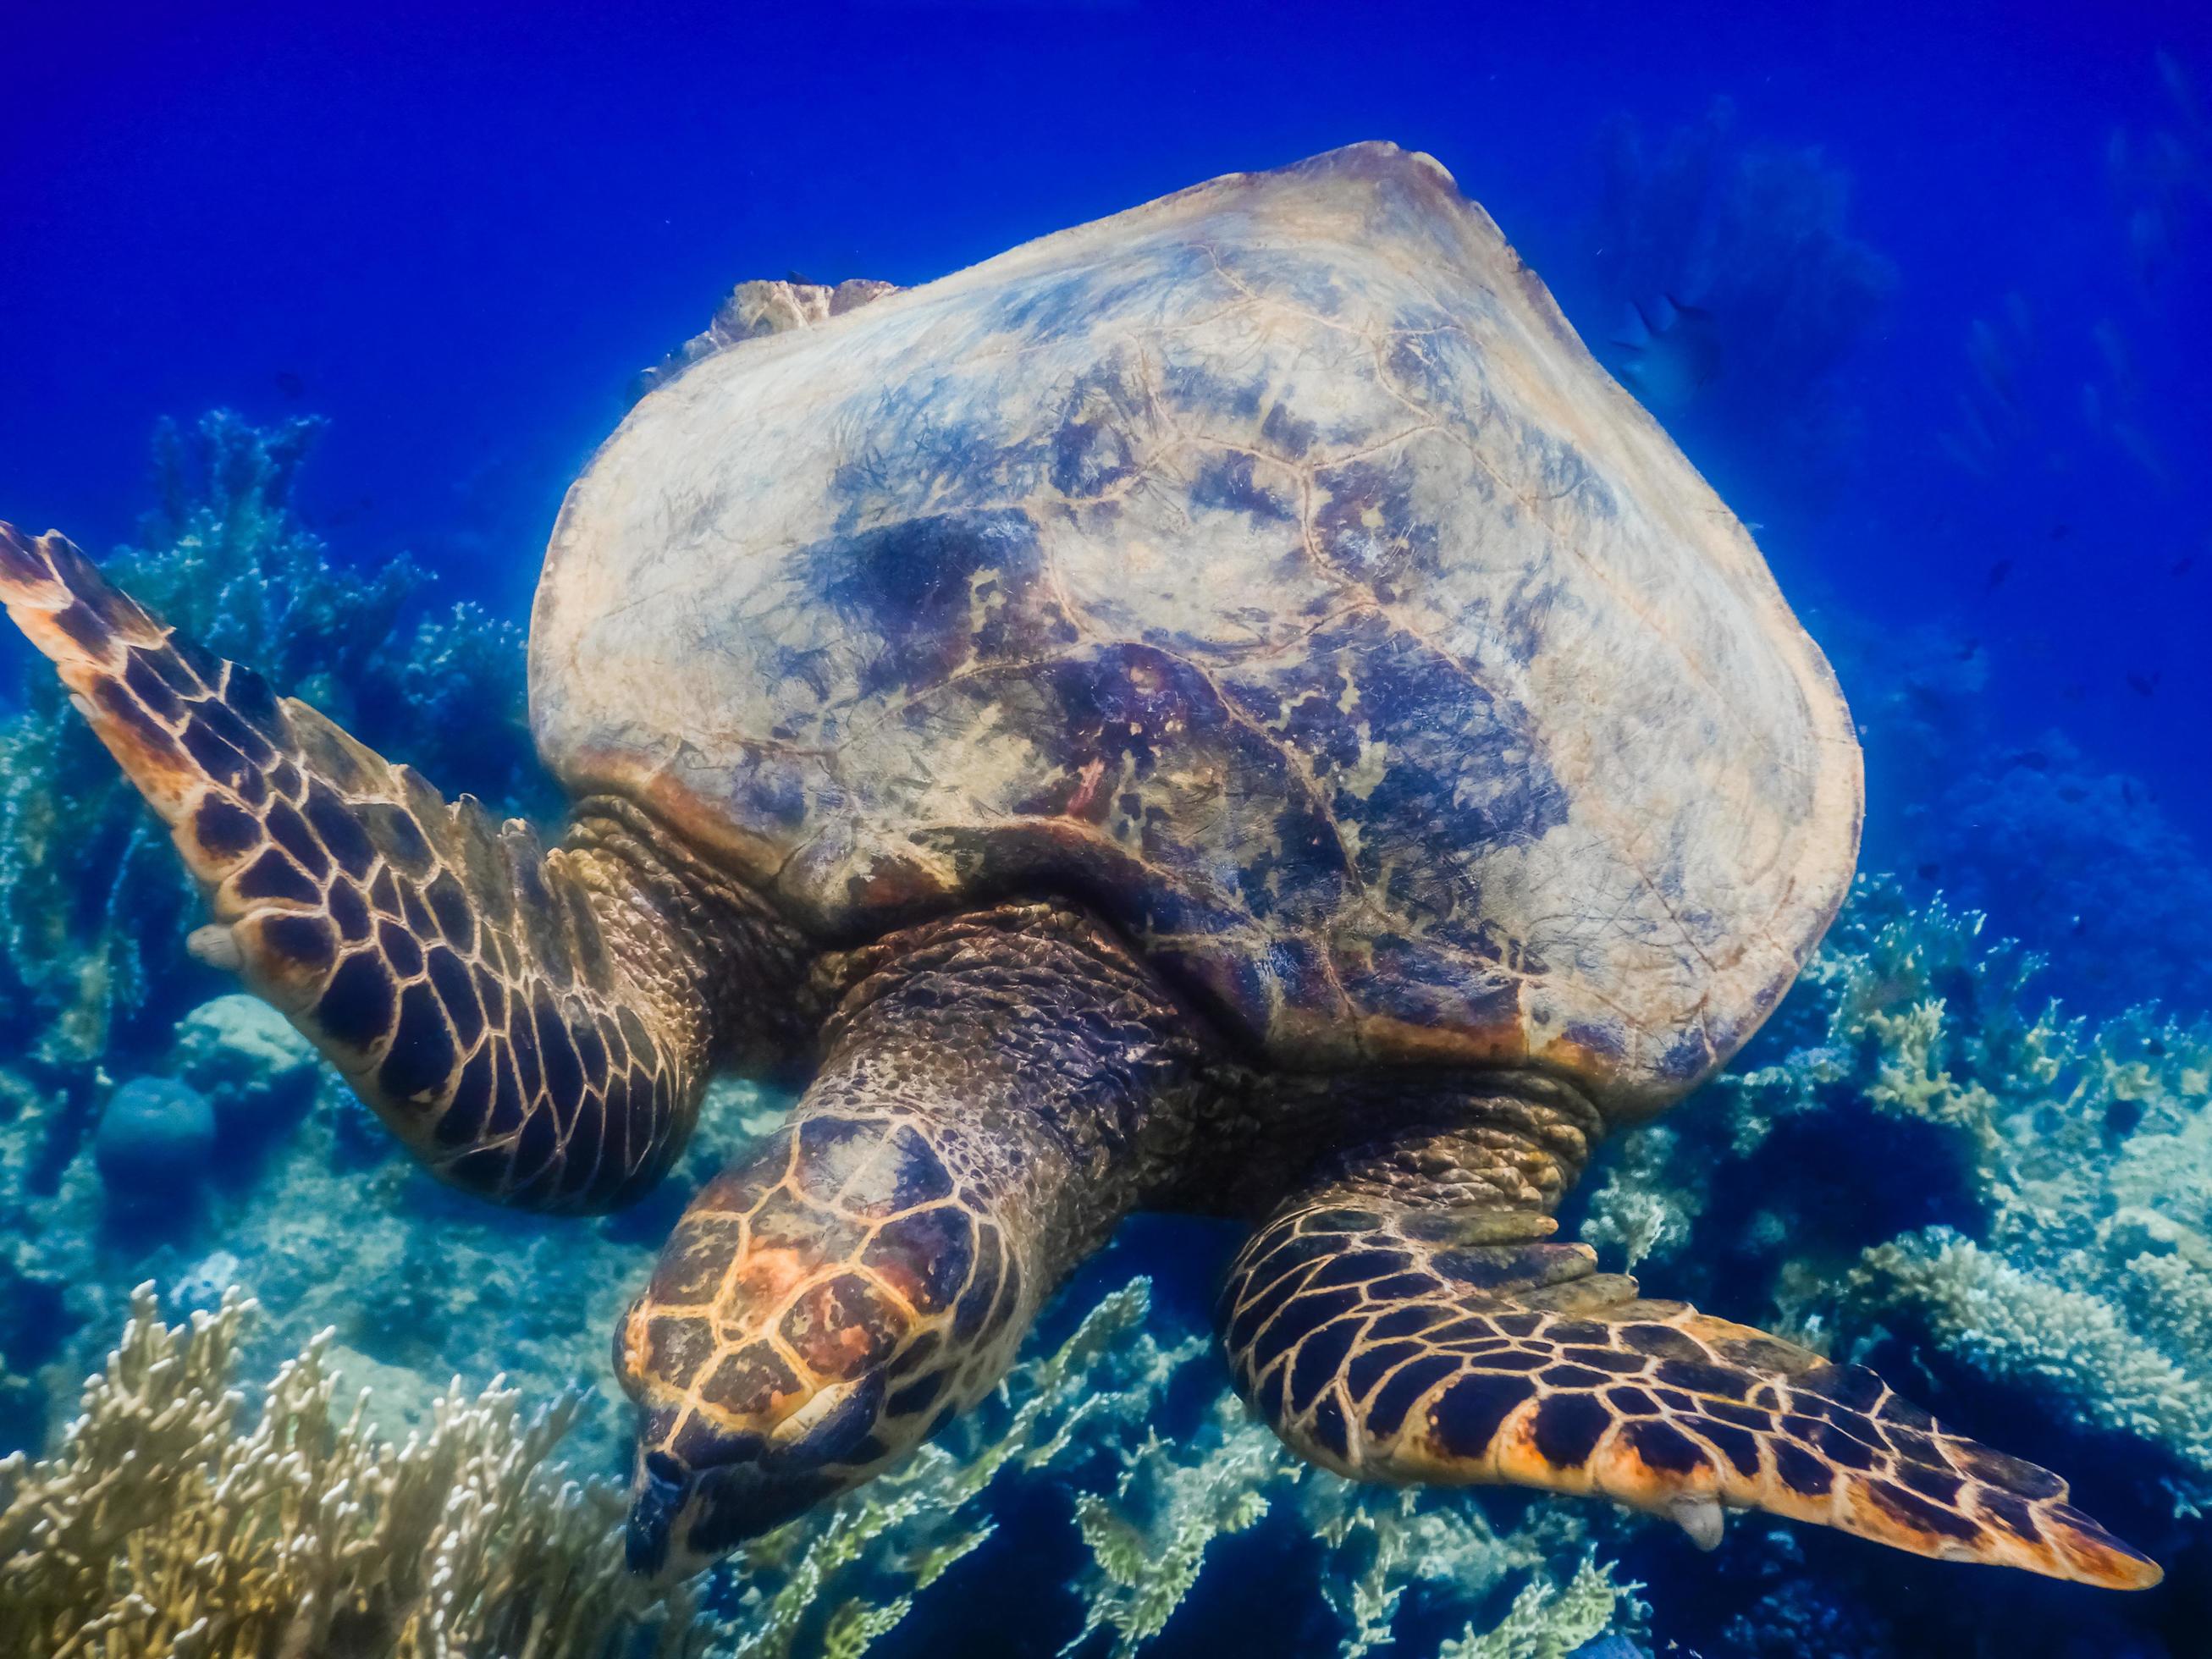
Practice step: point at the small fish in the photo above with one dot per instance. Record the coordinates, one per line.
(2033, 759)
(2061, 531)
(2181, 566)
(2074, 691)
(2144, 685)
(1966, 650)
(290, 384)
(1929, 872)
(1998, 572)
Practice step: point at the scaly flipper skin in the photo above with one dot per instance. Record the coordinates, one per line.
(534, 1026)
(997, 1091)
(1450, 1346)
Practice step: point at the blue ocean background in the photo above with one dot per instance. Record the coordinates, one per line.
(1922, 289)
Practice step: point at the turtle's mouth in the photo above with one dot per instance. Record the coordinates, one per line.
(699, 1491)
(681, 1521)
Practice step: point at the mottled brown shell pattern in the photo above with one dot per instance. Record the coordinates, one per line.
(1269, 567)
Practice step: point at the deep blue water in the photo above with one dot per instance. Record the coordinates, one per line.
(458, 232)
(1981, 468)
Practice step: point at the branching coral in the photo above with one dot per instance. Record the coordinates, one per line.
(164, 1528)
(165, 1525)
(1549, 1620)
(795, 1589)
(1171, 1499)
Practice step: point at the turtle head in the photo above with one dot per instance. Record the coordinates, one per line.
(820, 1311)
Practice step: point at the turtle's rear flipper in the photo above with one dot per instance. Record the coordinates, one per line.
(458, 975)
(1386, 1346)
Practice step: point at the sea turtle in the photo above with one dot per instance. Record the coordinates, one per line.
(1226, 708)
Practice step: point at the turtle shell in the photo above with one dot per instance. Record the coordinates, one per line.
(1269, 566)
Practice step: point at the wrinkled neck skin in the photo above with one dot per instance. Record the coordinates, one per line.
(994, 1093)
(685, 934)
(1420, 1139)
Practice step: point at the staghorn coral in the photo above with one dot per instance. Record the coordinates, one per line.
(1549, 1620)
(163, 1523)
(163, 1526)
(792, 1590)
(1148, 1542)
(1171, 1498)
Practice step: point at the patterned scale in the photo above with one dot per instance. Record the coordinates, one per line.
(1390, 1346)
(841, 1289)
(454, 970)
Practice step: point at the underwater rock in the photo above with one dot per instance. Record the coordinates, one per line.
(156, 1141)
(256, 1071)
(202, 1287)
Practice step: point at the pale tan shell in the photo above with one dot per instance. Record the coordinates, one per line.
(1270, 565)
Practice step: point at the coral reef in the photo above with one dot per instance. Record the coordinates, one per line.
(94, 906)
(166, 1522)
(311, 1206)
(1922, 1162)
(165, 1527)
(1121, 1428)
(2078, 861)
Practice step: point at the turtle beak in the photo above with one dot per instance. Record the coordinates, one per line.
(698, 1492)
(658, 1498)
(682, 1519)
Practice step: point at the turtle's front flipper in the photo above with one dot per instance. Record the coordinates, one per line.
(1451, 1345)
(535, 1026)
